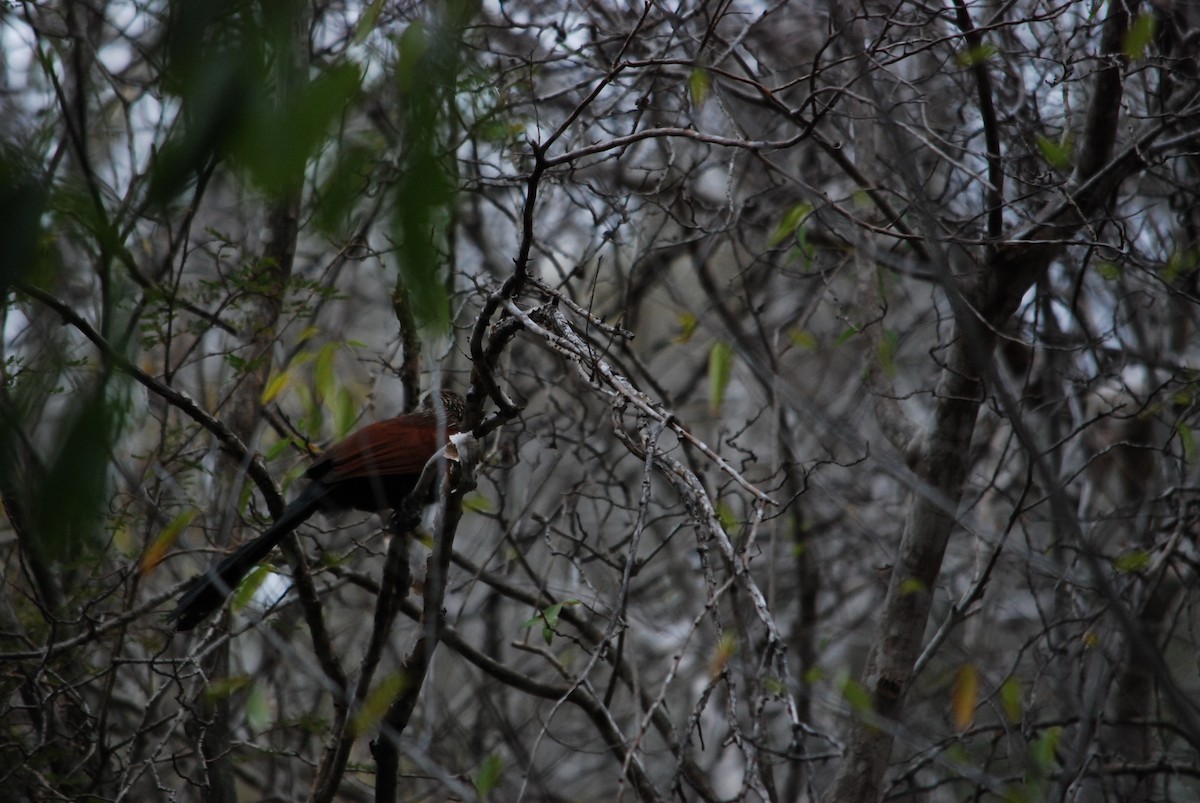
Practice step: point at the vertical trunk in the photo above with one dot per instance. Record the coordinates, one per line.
(941, 470)
(261, 328)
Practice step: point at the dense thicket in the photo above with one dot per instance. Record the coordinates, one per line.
(836, 364)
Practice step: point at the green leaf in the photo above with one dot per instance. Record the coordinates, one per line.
(247, 588)
(699, 84)
(1179, 265)
(802, 338)
(23, 197)
(1132, 561)
(1139, 36)
(726, 649)
(378, 701)
(720, 369)
(1058, 154)
(888, 345)
(1043, 748)
(324, 375)
(846, 334)
(345, 182)
(725, 515)
(414, 43)
(366, 23)
(221, 688)
(345, 412)
(1011, 696)
(548, 619)
(1188, 439)
(167, 538)
(276, 386)
(277, 448)
(687, 327)
(477, 503)
(791, 222)
(965, 696)
(969, 57)
(258, 709)
(1108, 270)
(71, 492)
(857, 695)
(489, 775)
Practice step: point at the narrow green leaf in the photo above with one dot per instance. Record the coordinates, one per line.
(1044, 747)
(166, 539)
(790, 223)
(687, 327)
(548, 619)
(969, 57)
(1011, 696)
(277, 448)
(345, 412)
(223, 687)
(253, 582)
(1132, 561)
(258, 709)
(414, 43)
(366, 23)
(888, 344)
(699, 84)
(1140, 35)
(857, 695)
(725, 515)
(1057, 154)
(802, 338)
(477, 503)
(378, 701)
(489, 775)
(324, 376)
(276, 386)
(720, 369)
(846, 334)
(1188, 439)
(726, 649)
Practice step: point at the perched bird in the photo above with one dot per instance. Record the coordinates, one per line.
(374, 470)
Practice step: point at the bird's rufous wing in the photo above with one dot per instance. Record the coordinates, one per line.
(395, 447)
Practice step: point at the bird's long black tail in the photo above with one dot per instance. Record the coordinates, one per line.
(208, 591)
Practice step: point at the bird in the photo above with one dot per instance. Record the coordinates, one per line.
(374, 469)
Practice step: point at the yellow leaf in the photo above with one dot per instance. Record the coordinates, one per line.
(687, 327)
(802, 338)
(276, 386)
(726, 649)
(166, 539)
(966, 696)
